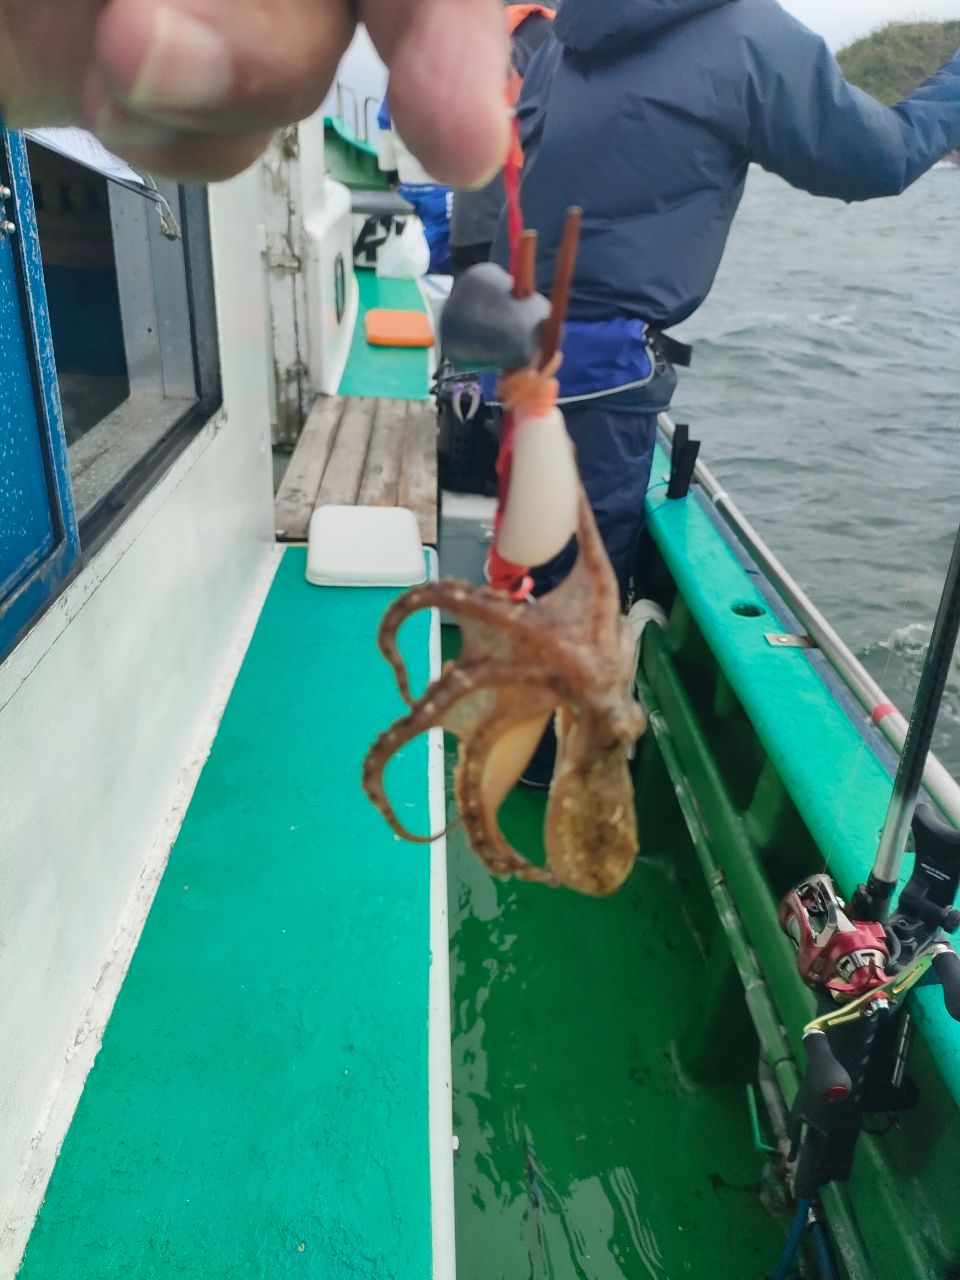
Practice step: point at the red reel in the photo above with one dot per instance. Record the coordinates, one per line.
(846, 957)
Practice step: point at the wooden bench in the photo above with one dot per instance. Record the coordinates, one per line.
(366, 453)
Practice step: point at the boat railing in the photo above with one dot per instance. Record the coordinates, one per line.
(345, 92)
(370, 104)
(883, 714)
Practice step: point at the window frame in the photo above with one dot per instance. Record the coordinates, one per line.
(45, 578)
(79, 540)
(104, 517)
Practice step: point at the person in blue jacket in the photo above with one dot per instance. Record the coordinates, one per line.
(648, 113)
(431, 201)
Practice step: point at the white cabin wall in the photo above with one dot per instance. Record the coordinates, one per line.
(312, 293)
(102, 707)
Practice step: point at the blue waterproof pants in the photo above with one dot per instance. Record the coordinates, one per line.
(615, 453)
(432, 205)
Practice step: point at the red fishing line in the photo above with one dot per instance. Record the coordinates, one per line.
(513, 578)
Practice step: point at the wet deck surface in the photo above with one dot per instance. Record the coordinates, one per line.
(586, 1152)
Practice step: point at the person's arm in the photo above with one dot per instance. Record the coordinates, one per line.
(806, 123)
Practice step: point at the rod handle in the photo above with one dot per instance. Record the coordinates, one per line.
(825, 1075)
(946, 966)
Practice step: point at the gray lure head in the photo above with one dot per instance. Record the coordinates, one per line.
(484, 326)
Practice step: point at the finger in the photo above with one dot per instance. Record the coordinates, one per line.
(192, 157)
(216, 65)
(45, 46)
(448, 62)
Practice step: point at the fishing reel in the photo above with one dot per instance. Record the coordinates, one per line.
(844, 957)
(861, 969)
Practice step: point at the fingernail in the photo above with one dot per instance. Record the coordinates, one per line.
(187, 65)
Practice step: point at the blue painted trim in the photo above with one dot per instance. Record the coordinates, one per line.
(47, 568)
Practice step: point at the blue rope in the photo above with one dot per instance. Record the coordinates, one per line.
(794, 1242)
(821, 1247)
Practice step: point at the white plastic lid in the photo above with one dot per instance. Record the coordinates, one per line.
(365, 547)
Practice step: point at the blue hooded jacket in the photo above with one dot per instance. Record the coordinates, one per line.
(647, 113)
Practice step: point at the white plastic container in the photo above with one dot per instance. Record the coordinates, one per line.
(365, 547)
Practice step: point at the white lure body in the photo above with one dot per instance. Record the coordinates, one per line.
(540, 516)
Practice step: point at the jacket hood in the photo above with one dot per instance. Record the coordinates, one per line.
(602, 26)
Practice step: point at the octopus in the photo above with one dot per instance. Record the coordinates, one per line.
(567, 656)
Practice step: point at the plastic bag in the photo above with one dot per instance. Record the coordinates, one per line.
(405, 255)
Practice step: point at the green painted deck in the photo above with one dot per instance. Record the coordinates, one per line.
(586, 1150)
(385, 373)
(259, 1109)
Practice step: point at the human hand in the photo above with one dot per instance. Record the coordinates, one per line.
(194, 88)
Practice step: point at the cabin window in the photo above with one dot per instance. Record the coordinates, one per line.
(130, 299)
(106, 296)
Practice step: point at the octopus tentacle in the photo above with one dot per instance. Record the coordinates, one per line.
(451, 594)
(591, 578)
(569, 654)
(428, 712)
(468, 605)
(486, 838)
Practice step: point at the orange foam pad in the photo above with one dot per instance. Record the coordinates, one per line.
(398, 329)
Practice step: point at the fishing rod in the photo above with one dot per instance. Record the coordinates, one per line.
(872, 900)
(862, 961)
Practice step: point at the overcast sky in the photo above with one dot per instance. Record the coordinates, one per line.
(844, 20)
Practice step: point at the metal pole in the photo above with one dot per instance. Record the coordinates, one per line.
(923, 721)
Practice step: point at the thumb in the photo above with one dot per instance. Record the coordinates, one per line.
(448, 62)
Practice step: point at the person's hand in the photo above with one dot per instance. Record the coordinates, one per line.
(194, 88)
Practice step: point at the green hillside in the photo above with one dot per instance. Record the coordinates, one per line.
(892, 61)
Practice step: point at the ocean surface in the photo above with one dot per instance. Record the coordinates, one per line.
(826, 391)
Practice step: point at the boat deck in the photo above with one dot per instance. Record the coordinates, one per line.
(261, 1105)
(586, 1146)
(386, 373)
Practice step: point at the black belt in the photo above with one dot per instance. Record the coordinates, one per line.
(669, 349)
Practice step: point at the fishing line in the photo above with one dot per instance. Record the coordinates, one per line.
(502, 575)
